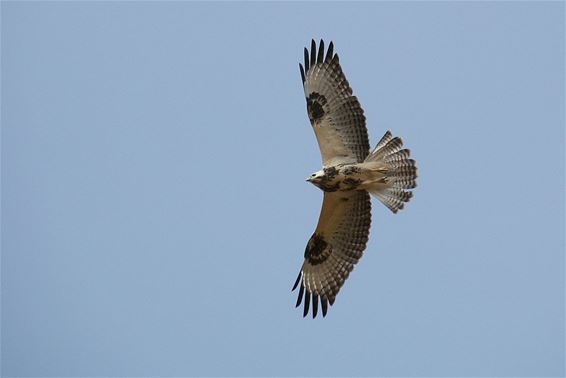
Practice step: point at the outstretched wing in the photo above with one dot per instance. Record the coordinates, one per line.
(335, 247)
(336, 116)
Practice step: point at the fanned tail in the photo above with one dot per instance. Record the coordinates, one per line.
(400, 172)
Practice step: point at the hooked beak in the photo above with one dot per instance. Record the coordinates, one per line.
(313, 179)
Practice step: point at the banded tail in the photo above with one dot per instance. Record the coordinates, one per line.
(400, 172)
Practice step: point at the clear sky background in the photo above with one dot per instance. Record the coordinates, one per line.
(155, 210)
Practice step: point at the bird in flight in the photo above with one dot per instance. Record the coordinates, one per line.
(350, 172)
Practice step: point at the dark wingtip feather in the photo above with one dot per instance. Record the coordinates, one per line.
(329, 52)
(331, 300)
(313, 52)
(320, 57)
(302, 72)
(307, 304)
(314, 305)
(297, 281)
(307, 66)
(324, 305)
(300, 297)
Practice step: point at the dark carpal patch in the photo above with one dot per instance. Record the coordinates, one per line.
(315, 103)
(317, 250)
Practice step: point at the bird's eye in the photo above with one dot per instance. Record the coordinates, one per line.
(313, 175)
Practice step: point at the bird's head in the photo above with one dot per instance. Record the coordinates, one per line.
(317, 177)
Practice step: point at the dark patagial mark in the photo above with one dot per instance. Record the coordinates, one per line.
(350, 170)
(317, 250)
(315, 103)
(327, 187)
(352, 182)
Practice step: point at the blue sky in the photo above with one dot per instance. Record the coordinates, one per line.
(155, 213)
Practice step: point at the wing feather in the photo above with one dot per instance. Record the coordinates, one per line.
(313, 53)
(320, 56)
(334, 248)
(314, 305)
(307, 304)
(300, 297)
(330, 52)
(336, 116)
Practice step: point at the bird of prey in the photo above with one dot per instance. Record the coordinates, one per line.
(349, 174)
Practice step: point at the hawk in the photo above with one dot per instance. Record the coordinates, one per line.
(349, 174)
